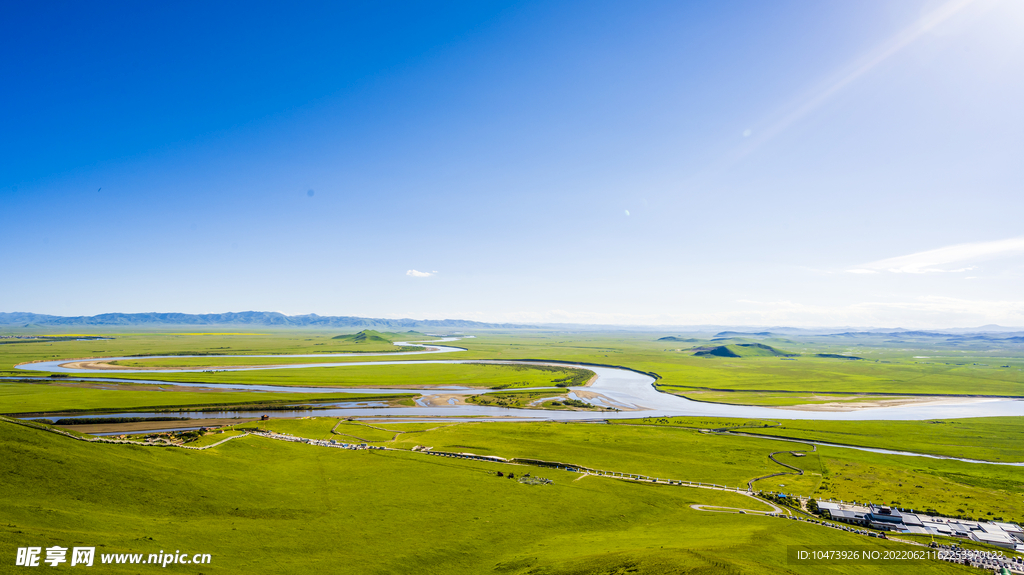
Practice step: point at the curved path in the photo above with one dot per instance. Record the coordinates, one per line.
(719, 509)
(622, 388)
(814, 448)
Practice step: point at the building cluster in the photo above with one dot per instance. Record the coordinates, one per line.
(1006, 535)
(998, 562)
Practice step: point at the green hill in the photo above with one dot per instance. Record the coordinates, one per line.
(409, 335)
(372, 336)
(741, 350)
(365, 336)
(837, 356)
(677, 338)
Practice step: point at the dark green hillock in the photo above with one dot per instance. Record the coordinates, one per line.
(365, 336)
(837, 356)
(717, 351)
(741, 350)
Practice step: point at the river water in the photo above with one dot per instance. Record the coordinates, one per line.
(632, 392)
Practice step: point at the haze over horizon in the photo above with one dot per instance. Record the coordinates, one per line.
(14, 320)
(656, 163)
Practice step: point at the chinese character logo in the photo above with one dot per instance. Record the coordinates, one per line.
(82, 556)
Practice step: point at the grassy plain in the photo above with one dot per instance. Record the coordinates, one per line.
(413, 375)
(273, 507)
(895, 371)
(950, 487)
(987, 439)
(982, 438)
(185, 343)
(311, 427)
(18, 397)
(407, 427)
(918, 368)
(264, 506)
(772, 398)
(804, 485)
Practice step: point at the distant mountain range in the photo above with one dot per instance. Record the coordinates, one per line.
(1015, 337)
(245, 318)
(275, 319)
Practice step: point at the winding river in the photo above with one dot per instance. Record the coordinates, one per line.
(631, 391)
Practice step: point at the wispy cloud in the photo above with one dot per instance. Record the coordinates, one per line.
(419, 274)
(937, 260)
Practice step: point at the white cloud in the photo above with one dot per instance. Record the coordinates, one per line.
(933, 261)
(419, 274)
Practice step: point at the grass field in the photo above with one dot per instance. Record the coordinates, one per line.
(263, 506)
(414, 375)
(187, 343)
(17, 397)
(772, 398)
(408, 427)
(215, 361)
(949, 487)
(887, 368)
(986, 438)
(259, 505)
(895, 371)
(690, 455)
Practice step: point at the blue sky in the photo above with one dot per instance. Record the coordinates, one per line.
(792, 162)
